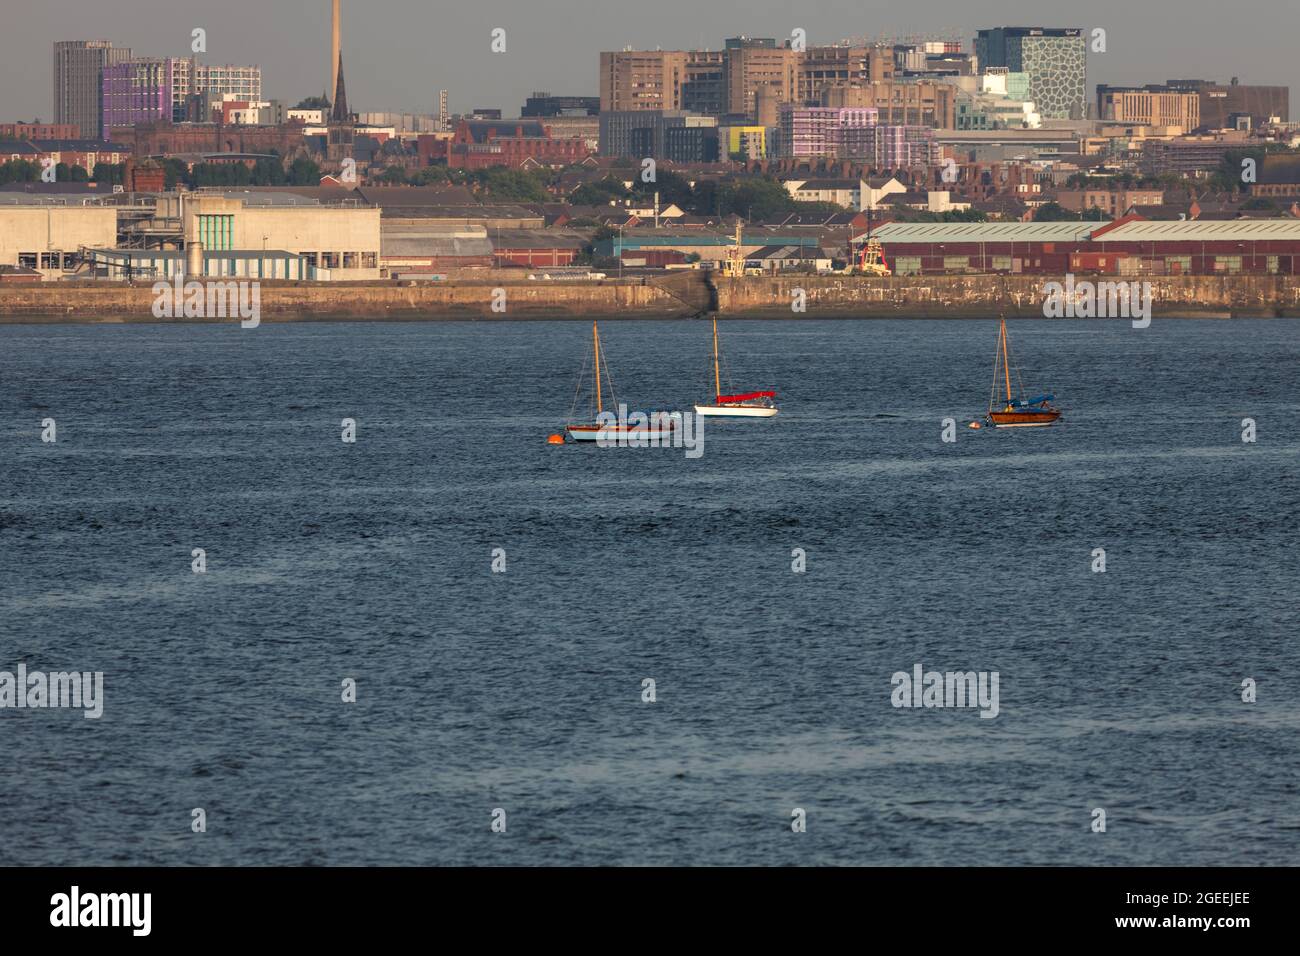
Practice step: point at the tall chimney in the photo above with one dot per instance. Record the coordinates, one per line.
(334, 51)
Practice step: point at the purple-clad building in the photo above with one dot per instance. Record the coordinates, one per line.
(137, 91)
(822, 130)
(853, 133)
(148, 90)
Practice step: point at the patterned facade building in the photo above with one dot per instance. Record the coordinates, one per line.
(1055, 59)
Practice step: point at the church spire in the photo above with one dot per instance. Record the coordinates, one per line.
(340, 114)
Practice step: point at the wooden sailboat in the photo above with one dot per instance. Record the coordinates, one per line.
(605, 426)
(745, 405)
(1015, 411)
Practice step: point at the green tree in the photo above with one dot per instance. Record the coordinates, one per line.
(755, 199)
(110, 174)
(673, 188)
(512, 185)
(19, 171)
(304, 172)
(1054, 212)
(599, 193)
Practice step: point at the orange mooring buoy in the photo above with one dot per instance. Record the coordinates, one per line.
(555, 440)
(976, 425)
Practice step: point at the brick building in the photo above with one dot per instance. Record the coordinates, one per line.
(477, 144)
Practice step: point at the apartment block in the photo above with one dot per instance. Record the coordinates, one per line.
(78, 82)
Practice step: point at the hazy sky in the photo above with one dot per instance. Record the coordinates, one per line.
(399, 53)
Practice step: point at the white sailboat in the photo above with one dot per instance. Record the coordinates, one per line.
(602, 426)
(744, 405)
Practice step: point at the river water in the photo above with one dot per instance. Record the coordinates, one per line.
(372, 562)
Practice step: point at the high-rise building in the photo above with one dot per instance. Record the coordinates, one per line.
(78, 82)
(137, 91)
(855, 134)
(822, 130)
(751, 64)
(1149, 106)
(906, 103)
(145, 90)
(633, 80)
(649, 134)
(1055, 59)
(1220, 103)
(736, 80)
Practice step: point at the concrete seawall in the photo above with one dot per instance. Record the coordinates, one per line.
(827, 296)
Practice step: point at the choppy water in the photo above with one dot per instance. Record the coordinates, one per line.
(523, 690)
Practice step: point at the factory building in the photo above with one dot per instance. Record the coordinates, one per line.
(50, 235)
(340, 242)
(1129, 246)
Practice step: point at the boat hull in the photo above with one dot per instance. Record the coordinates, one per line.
(1036, 419)
(737, 411)
(615, 433)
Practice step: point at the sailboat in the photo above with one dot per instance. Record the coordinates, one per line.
(746, 405)
(1015, 411)
(603, 426)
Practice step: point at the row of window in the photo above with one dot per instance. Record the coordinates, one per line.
(68, 261)
(1232, 265)
(343, 260)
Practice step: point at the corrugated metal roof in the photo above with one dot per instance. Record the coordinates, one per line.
(985, 231)
(421, 246)
(1205, 230)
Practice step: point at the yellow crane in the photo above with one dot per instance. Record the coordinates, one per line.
(733, 265)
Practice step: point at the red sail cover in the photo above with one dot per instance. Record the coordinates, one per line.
(747, 397)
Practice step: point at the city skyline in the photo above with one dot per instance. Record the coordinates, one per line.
(557, 48)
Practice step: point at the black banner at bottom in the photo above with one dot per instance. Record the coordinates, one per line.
(335, 906)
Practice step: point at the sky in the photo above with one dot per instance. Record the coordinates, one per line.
(399, 53)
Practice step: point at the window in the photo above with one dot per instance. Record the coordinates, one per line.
(1001, 263)
(956, 263)
(1178, 265)
(216, 232)
(27, 260)
(1273, 265)
(349, 260)
(1228, 264)
(907, 265)
(370, 260)
(49, 260)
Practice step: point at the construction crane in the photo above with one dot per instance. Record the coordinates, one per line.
(733, 266)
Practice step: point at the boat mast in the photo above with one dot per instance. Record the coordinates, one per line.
(717, 374)
(1006, 362)
(595, 340)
